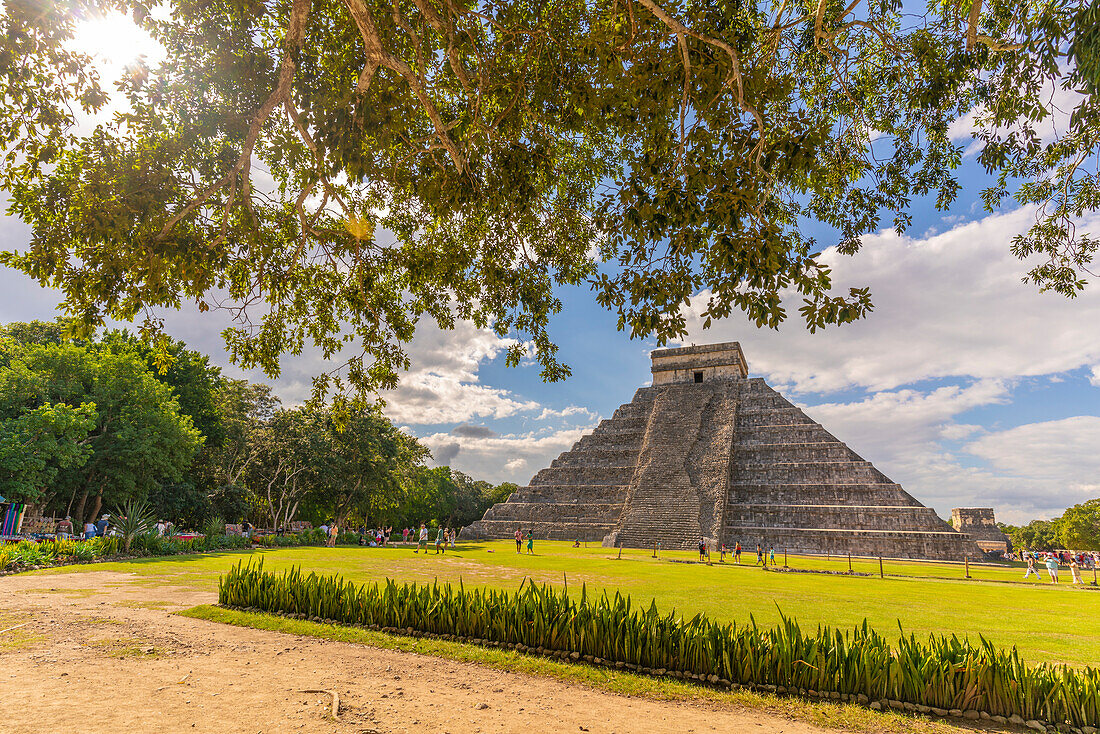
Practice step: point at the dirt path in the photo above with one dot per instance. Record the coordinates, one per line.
(102, 653)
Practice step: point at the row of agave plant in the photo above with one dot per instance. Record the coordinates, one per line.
(938, 672)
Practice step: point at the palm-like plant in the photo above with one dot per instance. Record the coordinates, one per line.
(134, 518)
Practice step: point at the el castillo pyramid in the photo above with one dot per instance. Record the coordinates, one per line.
(708, 452)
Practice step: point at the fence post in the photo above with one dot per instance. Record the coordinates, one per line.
(654, 549)
(968, 565)
(881, 575)
(785, 558)
(620, 552)
(849, 561)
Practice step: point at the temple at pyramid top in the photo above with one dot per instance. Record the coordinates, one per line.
(698, 364)
(708, 452)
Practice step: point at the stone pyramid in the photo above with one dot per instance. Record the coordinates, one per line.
(707, 451)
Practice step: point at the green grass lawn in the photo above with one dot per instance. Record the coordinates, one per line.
(1046, 623)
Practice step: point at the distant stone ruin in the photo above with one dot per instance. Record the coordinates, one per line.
(981, 526)
(708, 452)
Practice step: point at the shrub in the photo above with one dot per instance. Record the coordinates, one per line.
(940, 672)
(133, 519)
(83, 552)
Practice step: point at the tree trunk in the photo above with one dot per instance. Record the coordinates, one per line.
(78, 513)
(96, 506)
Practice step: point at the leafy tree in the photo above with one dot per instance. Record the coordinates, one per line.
(442, 159)
(284, 450)
(36, 444)
(181, 503)
(1079, 528)
(138, 438)
(197, 386)
(1038, 535)
(430, 494)
(36, 332)
(356, 462)
(243, 408)
(194, 381)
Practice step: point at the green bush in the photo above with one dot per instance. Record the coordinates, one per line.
(940, 672)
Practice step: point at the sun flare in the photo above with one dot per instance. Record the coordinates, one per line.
(115, 41)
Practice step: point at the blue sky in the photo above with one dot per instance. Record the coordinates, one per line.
(965, 385)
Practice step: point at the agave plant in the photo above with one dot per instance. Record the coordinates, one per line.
(134, 518)
(942, 672)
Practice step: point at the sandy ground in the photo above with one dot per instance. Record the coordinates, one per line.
(102, 653)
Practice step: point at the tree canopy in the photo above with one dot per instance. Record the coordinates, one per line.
(110, 430)
(436, 158)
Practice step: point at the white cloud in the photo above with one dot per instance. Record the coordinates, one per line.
(507, 458)
(1030, 471)
(1064, 451)
(948, 305)
(568, 412)
(1061, 103)
(442, 385)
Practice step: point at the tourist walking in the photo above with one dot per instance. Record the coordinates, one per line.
(454, 537)
(722, 554)
(441, 540)
(333, 532)
(702, 549)
(1031, 568)
(530, 542)
(737, 552)
(422, 541)
(1075, 571)
(771, 555)
(519, 540)
(1052, 568)
(759, 555)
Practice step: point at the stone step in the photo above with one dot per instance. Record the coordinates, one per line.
(807, 472)
(782, 433)
(598, 456)
(554, 512)
(758, 453)
(840, 517)
(632, 439)
(556, 493)
(620, 425)
(821, 493)
(887, 543)
(583, 475)
(753, 417)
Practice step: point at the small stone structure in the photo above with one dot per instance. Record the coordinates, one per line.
(707, 451)
(981, 526)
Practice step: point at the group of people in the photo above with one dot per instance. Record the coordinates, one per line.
(762, 558)
(331, 533)
(443, 537)
(1051, 561)
(378, 537)
(530, 538)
